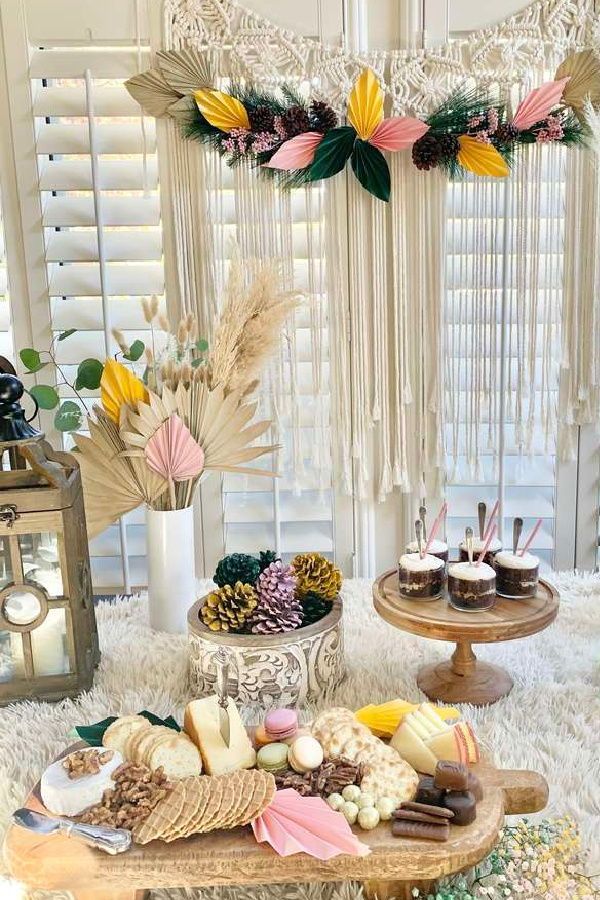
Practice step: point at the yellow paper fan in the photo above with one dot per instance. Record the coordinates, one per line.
(221, 110)
(118, 386)
(583, 70)
(480, 158)
(365, 104)
(384, 718)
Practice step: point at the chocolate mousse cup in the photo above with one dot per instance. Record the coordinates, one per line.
(478, 545)
(437, 548)
(421, 579)
(516, 576)
(471, 588)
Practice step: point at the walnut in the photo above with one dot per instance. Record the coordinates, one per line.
(137, 791)
(86, 762)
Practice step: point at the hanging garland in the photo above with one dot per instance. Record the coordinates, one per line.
(298, 141)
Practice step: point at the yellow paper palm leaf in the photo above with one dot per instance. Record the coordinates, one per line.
(365, 104)
(481, 158)
(221, 110)
(384, 718)
(120, 386)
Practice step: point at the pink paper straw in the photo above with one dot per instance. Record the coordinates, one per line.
(436, 525)
(529, 540)
(486, 546)
(491, 519)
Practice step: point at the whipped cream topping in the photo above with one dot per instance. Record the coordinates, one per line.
(471, 573)
(509, 560)
(478, 545)
(435, 547)
(412, 562)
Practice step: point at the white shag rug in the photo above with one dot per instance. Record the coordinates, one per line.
(550, 722)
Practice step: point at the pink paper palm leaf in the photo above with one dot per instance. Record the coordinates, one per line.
(174, 454)
(538, 104)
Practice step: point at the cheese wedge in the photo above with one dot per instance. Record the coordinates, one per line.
(428, 712)
(413, 749)
(450, 745)
(470, 741)
(414, 720)
(201, 723)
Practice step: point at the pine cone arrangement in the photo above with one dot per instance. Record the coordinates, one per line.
(316, 575)
(295, 120)
(322, 116)
(265, 558)
(229, 607)
(505, 133)
(426, 152)
(237, 567)
(261, 119)
(449, 146)
(315, 608)
(278, 607)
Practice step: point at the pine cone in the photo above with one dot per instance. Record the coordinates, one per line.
(265, 558)
(449, 146)
(426, 152)
(322, 116)
(315, 608)
(261, 119)
(228, 608)
(295, 121)
(278, 608)
(316, 575)
(505, 134)
(237, 567)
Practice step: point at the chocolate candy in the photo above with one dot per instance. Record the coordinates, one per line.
(453, 776)
(438, 811)
(475, 786)
(463, 805)
(404, 828)
(427, 792)
(411, 816)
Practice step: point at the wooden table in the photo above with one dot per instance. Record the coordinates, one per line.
(393, 868)
(464, 678)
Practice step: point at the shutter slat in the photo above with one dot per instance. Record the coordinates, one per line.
(85, 314)
(60, 211)
(83, 279)
(71, 101)
(103, 62)
(82, 246)
(295, 537)
(115, 139)
(114, 175)
(309, 507)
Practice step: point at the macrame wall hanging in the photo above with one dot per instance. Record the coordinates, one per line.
(415, 294)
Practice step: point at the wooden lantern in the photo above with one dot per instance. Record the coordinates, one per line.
(48, 636)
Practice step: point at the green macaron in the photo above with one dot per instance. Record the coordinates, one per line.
(272, 757)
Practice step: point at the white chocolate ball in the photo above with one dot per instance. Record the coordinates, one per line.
(365, 800)
(385, 806)
(350, 812)
(368, 818)
(351, 792)
(335, 801)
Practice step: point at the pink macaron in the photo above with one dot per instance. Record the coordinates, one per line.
(281, 723)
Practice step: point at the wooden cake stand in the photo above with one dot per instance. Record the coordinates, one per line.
(464, 678)
(394, 867)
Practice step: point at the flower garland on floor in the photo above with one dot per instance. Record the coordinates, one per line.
(300, 141)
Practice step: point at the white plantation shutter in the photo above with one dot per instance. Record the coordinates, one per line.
(6, 345)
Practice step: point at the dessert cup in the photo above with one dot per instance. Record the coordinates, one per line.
(478, 545)
(437, 548)
(516, 576)
(471, 588)
(421, 578)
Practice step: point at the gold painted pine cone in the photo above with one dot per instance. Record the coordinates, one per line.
(227, 608)
(316, 575)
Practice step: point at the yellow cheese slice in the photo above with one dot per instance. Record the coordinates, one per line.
(201, 723)
(413, 750)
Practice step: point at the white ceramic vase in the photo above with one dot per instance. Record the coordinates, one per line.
(171, 569)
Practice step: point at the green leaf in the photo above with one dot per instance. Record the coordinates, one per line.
(93, 734)
(198, 361)
(202, 345)
(46, 396)
(89, 374)
(135, 351)
(371, 169)
(31, 359)
(68, 417)
(65, 334)
(332, 153)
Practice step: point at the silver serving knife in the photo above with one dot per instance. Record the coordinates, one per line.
(517, 529)
(111, 840)
(222, 664)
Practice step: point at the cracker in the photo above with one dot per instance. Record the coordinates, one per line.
(396, 780)
(237, 780)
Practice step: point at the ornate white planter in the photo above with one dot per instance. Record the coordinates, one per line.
(270, 670)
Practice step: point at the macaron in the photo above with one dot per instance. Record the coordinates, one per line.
(281, 723)
(305, 754)
(261, 738)
(272, 757)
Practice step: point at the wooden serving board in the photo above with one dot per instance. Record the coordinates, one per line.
(394, 866)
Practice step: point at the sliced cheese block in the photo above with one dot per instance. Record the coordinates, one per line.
(201, 722)
(412, 749)
(118, 733)
(429, 712)
(421, 728)
(450, 745)
(470, 740)
(178, 756)
(64, 796)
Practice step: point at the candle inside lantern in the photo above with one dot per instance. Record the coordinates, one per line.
(47, 640)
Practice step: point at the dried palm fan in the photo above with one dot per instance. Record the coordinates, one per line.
(583, 71)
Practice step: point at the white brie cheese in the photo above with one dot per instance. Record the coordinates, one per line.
(64, 796)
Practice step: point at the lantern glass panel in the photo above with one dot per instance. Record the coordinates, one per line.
(41, 561)
(21, 607)
(49, 645)
(8, 668)
(6, 573)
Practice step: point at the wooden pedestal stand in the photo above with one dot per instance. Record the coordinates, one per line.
(394, 867)
(464, 678)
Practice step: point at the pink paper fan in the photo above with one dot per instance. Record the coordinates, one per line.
(398, 133)
(297, 153)
(173, 452)
(538, 103)
(295, 824)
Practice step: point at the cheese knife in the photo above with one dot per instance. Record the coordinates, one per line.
(222, 664)
(111, 840)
